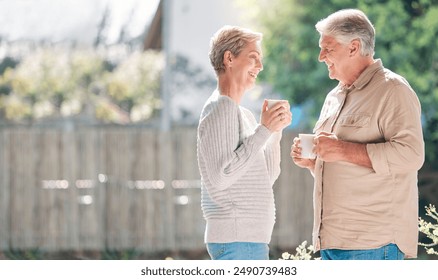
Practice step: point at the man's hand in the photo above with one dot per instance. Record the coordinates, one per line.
(330, 149)
(295, 153)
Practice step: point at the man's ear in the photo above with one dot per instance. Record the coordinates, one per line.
(354, 47)
(228, 58)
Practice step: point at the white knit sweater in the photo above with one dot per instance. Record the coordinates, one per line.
(239, 161)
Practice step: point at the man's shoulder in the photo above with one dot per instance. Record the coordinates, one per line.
(396, 87)
(394, 78)
(388, 81)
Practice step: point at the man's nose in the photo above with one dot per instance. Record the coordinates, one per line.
(321, 56)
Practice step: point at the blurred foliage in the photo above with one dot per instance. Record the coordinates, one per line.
(406, 41)
(113, 85)
(430, 229)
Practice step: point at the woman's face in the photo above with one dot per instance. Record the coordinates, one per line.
(247, 65)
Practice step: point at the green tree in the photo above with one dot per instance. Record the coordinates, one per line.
(406, 41)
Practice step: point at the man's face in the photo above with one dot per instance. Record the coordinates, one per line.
(336, 57)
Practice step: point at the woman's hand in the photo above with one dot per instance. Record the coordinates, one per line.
(277, 117)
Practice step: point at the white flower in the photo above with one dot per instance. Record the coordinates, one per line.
(285, 256)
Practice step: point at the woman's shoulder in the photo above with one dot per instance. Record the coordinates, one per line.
(217, 104)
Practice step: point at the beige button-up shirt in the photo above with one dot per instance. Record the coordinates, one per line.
(364, 208)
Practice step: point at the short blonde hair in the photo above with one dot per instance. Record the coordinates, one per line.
(230, 38)
(347, 25)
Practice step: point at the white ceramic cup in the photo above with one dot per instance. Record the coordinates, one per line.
(307, 145)
(272, 102)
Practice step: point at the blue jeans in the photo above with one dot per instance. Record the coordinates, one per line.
(238, 251)
(387, 252)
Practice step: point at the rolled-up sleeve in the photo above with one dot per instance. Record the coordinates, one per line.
(400, 124)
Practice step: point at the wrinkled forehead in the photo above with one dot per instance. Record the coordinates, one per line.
(327, 41)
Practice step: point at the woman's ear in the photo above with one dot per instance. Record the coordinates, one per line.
(228, 58)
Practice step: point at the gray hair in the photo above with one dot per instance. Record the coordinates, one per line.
(230, 38)
(347, 25)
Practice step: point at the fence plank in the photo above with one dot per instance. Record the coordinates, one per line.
(5, 210)
(89, 184)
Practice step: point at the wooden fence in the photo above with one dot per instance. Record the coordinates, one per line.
(115, 188)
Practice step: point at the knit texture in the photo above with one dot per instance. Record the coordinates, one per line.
(239, 161)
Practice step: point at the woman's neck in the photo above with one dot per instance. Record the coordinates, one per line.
(228, 88)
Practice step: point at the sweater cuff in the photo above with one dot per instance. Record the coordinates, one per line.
(263, 134)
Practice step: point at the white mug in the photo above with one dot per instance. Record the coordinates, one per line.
(307, 145)
(272, 102)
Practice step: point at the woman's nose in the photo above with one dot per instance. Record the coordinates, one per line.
(259, 64)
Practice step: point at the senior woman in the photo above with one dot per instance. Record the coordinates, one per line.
(238, 157)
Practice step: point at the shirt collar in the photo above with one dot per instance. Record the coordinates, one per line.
(368, 74)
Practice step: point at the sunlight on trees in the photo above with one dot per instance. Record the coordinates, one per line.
(115, 85)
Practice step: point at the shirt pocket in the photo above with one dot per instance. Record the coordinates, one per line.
(356, 120)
